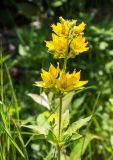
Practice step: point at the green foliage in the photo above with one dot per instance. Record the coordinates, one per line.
(21, 130)
(47, 127)
(80, 146)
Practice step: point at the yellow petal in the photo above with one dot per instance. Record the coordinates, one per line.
(53, 71)
(61, 29)
(80, 84)
(78, 45)
(49, 45)
(80, 27)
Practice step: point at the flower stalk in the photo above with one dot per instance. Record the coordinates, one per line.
(65, 64)
(59, 152)
(60, 127)
(60, 112)
(60, 118)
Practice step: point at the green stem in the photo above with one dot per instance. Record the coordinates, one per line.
(60, 117)
(59, 152)
(65, 64)
(60, 127)
(60, 113)
(66, 57)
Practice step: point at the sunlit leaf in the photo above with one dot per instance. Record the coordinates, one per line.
(41, 99)
(78, 124)
(37, 129)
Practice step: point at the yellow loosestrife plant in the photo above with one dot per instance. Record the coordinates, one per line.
(68, 41)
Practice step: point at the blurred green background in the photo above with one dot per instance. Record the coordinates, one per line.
(24, 26)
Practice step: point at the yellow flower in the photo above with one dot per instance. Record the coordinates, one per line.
(78, 45)
(79, 29)
(67, 36)
(58, 46)
(68, 82)
(61, 29)
(49, 78)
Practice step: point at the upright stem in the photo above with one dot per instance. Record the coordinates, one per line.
(60, 113)
(60, 128)
(66, 57)
(59, 152)
(60, 116)
(65, 64)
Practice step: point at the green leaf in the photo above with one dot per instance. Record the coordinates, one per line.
(52, 138)
(78, 102)
(67, 101)
(78, 124)
(64, 157)
(67, 137)
(80, 147)
(27, 120)
(65, 119)
(42, 121)
(41, 99)
(38, 129)
(75, 136)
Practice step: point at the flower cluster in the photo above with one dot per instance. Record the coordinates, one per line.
(57, 80)
(67, 42)
(67, 39)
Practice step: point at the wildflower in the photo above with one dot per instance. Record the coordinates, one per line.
(49, 78)
(67, 40)
(61, 29)
(58, 46)
(78, 45)
(68, 82)
(79, 29)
